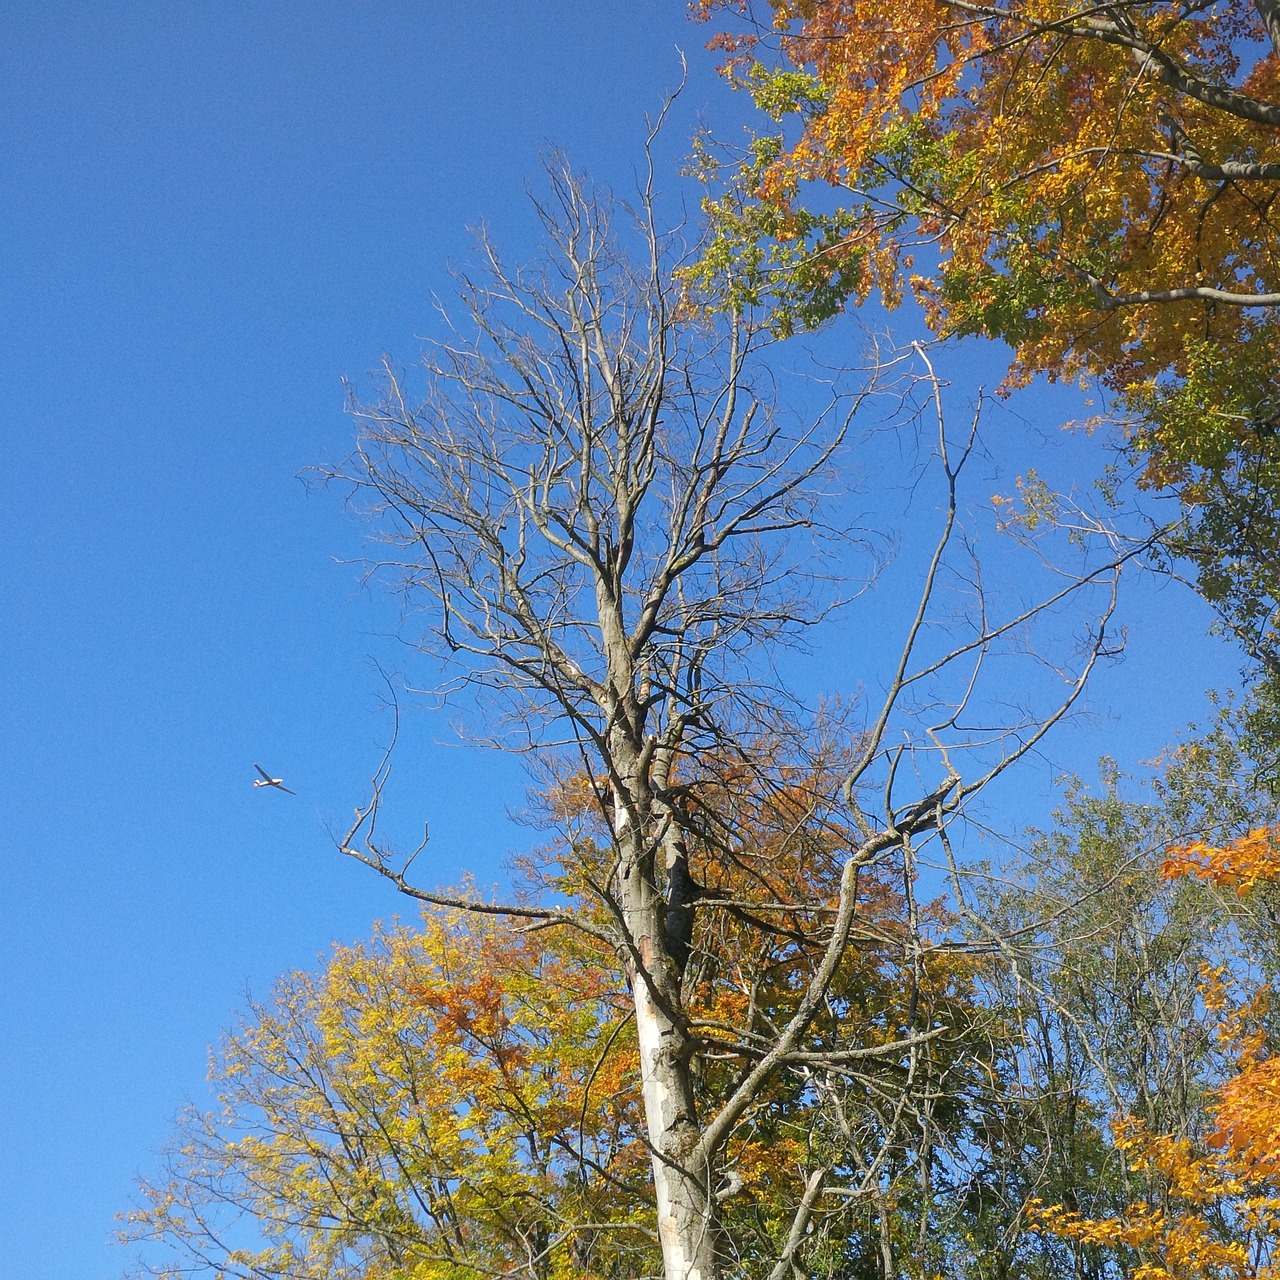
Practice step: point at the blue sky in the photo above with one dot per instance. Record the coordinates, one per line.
(213, 214)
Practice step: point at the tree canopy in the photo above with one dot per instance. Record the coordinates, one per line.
(1095, 186)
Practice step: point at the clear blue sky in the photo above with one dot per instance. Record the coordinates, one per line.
(213, 213)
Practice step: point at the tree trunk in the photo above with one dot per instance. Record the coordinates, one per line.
(686, 1207)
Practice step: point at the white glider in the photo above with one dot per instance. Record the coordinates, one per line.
(268, 781)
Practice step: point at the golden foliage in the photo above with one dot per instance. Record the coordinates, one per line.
(1096, 186)
(1239, 865)
(447, 1101)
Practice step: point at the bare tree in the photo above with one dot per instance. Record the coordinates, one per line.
(615, 527)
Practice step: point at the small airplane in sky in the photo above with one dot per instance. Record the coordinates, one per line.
(268, 781)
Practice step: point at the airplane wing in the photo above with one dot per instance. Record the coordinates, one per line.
(264, 773)
(279, 786)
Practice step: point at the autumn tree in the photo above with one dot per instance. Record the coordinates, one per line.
(1212, 1202)
(460, 1098)
(888, 1127)
(421, 1107)
(1095, 186)
(1104, 1018)
(1104, 995)
(616, 530)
